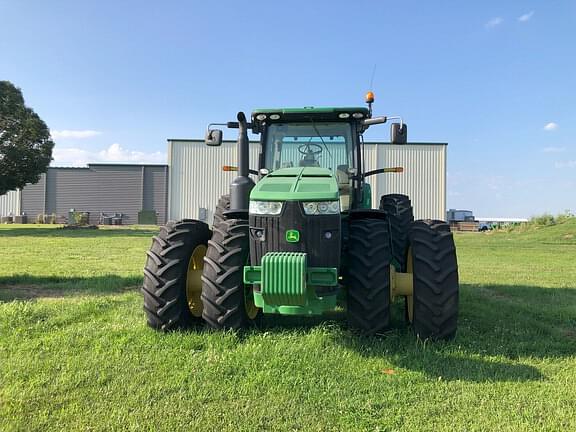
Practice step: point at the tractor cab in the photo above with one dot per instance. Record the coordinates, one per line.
(327, 138)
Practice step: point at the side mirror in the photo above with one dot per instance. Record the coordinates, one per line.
(213, 137)
(398, 134)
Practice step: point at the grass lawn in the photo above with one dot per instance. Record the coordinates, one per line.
(75, 353)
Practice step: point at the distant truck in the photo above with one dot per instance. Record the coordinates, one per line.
(454, 215)
(461, 220)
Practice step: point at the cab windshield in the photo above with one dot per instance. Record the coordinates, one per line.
(325, 145)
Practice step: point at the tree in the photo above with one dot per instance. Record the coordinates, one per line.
(25, 143)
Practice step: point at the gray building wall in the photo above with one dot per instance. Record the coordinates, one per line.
(33, 199)
(100, 188)
(155, 189)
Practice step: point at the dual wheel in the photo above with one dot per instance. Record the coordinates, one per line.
(194, 275)
(425, 248)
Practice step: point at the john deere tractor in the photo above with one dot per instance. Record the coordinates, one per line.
(299, 236)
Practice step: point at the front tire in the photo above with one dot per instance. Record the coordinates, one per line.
(228, 303)
(368, 282)
(172, 275)
(435, 279)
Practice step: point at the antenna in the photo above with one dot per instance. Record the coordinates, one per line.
(372, 77)
(369, 94)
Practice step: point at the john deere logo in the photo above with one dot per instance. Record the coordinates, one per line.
(292, 236)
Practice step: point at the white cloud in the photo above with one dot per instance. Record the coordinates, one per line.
(71, 156)
(566, 164)
(554, 149)
(551, 126)
(526, 17)
(494, 22)
(77, 134)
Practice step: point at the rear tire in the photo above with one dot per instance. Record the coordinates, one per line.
(221, 207)
(435, 280)
(225, 297)
(165, 274)
(368, 281)
(398, 210)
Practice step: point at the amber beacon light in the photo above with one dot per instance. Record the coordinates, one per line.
(369, 97)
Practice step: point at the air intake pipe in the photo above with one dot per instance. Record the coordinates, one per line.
(242, 185)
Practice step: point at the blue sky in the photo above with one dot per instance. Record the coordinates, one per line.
(496, 80)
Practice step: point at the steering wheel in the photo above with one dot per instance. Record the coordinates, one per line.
(306, 149)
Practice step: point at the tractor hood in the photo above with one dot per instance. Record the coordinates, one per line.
(297, 184)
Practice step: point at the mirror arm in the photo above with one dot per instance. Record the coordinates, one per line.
(215, 124)
(229, 125)
(236, 125)
(374, 120)
(381, 119)
(397, 118)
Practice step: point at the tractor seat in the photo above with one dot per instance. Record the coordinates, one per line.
(343, 180)
(308, 163)
(342, 177)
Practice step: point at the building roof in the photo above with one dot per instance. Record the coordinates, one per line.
(499, 219)
(98, 164)
(201, 141)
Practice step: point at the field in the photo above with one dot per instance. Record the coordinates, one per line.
(75, 353)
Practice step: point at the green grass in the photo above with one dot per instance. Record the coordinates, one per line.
(75, 353)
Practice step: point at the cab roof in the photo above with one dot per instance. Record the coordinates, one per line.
(310, 110)
(270, 115)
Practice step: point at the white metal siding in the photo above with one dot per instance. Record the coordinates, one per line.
(423, 179)
(196, 176)
(197, 180)
(10, 203)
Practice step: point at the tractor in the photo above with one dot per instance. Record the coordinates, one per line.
(303, 239)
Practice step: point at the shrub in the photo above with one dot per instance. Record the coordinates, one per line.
(564, 217)
(543, 220)
(80, 218)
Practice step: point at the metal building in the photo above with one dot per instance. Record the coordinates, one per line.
(110, 189)
(197, 180)
(10, 203)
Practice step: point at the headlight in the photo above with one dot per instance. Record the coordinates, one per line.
(321, 207)
(265, 207)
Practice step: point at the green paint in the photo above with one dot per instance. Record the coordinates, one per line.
(325, 276)
(311, 110)
(284, 278)
(292, 236)
(297, 184)
(366, 196)
(314, 306)
(286, 284)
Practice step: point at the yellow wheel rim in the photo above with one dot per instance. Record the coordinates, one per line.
(410, 299)
(193, 281)
(251, 308)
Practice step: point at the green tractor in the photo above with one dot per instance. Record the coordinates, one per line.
(304, 239)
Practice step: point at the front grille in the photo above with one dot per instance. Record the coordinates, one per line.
(322, 252)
